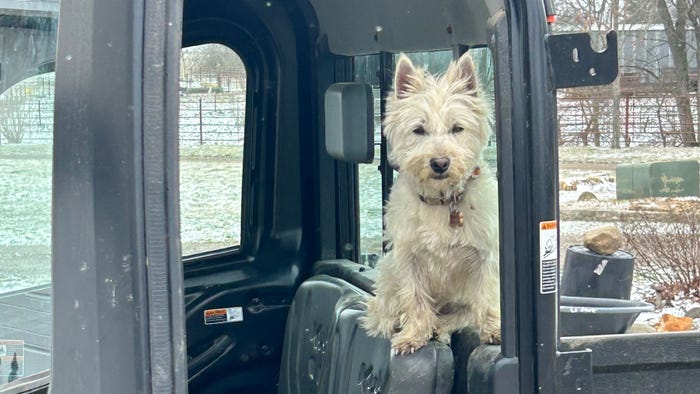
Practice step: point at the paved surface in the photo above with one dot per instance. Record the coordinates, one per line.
(26, 315)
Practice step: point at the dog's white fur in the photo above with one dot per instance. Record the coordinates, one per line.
(437, 278)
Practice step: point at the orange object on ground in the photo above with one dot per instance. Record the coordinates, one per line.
(672, 323)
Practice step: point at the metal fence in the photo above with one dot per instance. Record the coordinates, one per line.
(646, 119)
(211, 119)
(217, 119)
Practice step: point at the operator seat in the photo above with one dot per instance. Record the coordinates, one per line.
(326, 351)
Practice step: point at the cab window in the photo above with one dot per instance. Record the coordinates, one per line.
(212, 135)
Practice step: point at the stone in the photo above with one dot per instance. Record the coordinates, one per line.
(669, 323)
(604, 240)
(568, 186)
(693, 313)
(587, 196)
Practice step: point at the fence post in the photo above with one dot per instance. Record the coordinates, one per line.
(627, 121)
(201, 136)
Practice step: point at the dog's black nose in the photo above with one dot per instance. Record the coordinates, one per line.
(440, 164)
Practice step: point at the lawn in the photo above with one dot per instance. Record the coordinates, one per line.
(210, 207)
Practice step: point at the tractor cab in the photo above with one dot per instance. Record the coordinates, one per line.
(196, 195)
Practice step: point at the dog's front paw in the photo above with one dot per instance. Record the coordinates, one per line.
(444, 337)
(491, 335)
(490, 327)
(491, 339)
(408, 341)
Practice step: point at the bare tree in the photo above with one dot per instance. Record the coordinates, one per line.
(208, 62)
(660, 54)
(13, 114)
(675, 17)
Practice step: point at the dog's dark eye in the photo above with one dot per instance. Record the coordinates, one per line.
(457, 129)
(419, 131)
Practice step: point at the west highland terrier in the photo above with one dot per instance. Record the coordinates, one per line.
(441, 273)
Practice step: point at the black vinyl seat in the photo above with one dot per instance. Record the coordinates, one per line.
(326, 351)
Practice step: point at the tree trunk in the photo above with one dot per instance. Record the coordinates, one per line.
(695, 20)
(616, 114)
(685, 116)
(675, 33)
(595, 122)
(615, 87)
(696, 25)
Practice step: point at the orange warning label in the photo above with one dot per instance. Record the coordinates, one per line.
(215, 312)
(550, 225)
(223, 315)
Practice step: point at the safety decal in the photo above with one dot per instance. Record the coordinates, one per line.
(223, 315)
(549, 250)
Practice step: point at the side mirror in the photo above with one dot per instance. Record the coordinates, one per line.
(349, 109)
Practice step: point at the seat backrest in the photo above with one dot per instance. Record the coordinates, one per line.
(326, 351)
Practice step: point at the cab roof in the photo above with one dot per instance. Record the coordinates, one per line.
(371, 26)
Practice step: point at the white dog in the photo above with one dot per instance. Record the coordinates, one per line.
(441, 274)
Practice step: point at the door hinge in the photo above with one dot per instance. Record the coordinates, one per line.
(575, 63)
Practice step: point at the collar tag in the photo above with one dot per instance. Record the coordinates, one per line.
(456, 216)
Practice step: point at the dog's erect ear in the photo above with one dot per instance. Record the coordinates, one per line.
(463, 70)
(407, 79)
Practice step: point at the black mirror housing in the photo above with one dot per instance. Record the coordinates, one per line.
(349, 114)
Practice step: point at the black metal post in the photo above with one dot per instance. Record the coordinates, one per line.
(535, 161)
(118, 311)
(386, 74)
(201, 136)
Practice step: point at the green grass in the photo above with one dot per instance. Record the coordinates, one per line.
(25, 216)
(210, 203)
(211, 179)
(25, 151)
(211, 152)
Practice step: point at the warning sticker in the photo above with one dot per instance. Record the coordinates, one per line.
(549, 250)
(223, 315)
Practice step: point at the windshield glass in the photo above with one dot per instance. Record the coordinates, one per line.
(628, 170)
(27, 51)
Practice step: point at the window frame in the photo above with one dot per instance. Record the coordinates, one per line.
(261, 84)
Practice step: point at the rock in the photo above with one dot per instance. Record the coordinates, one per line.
(604, 240)
(568, 186)
(693, 313)
(639, 328)
(670, 323)
(594, 180)
(587, 196)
